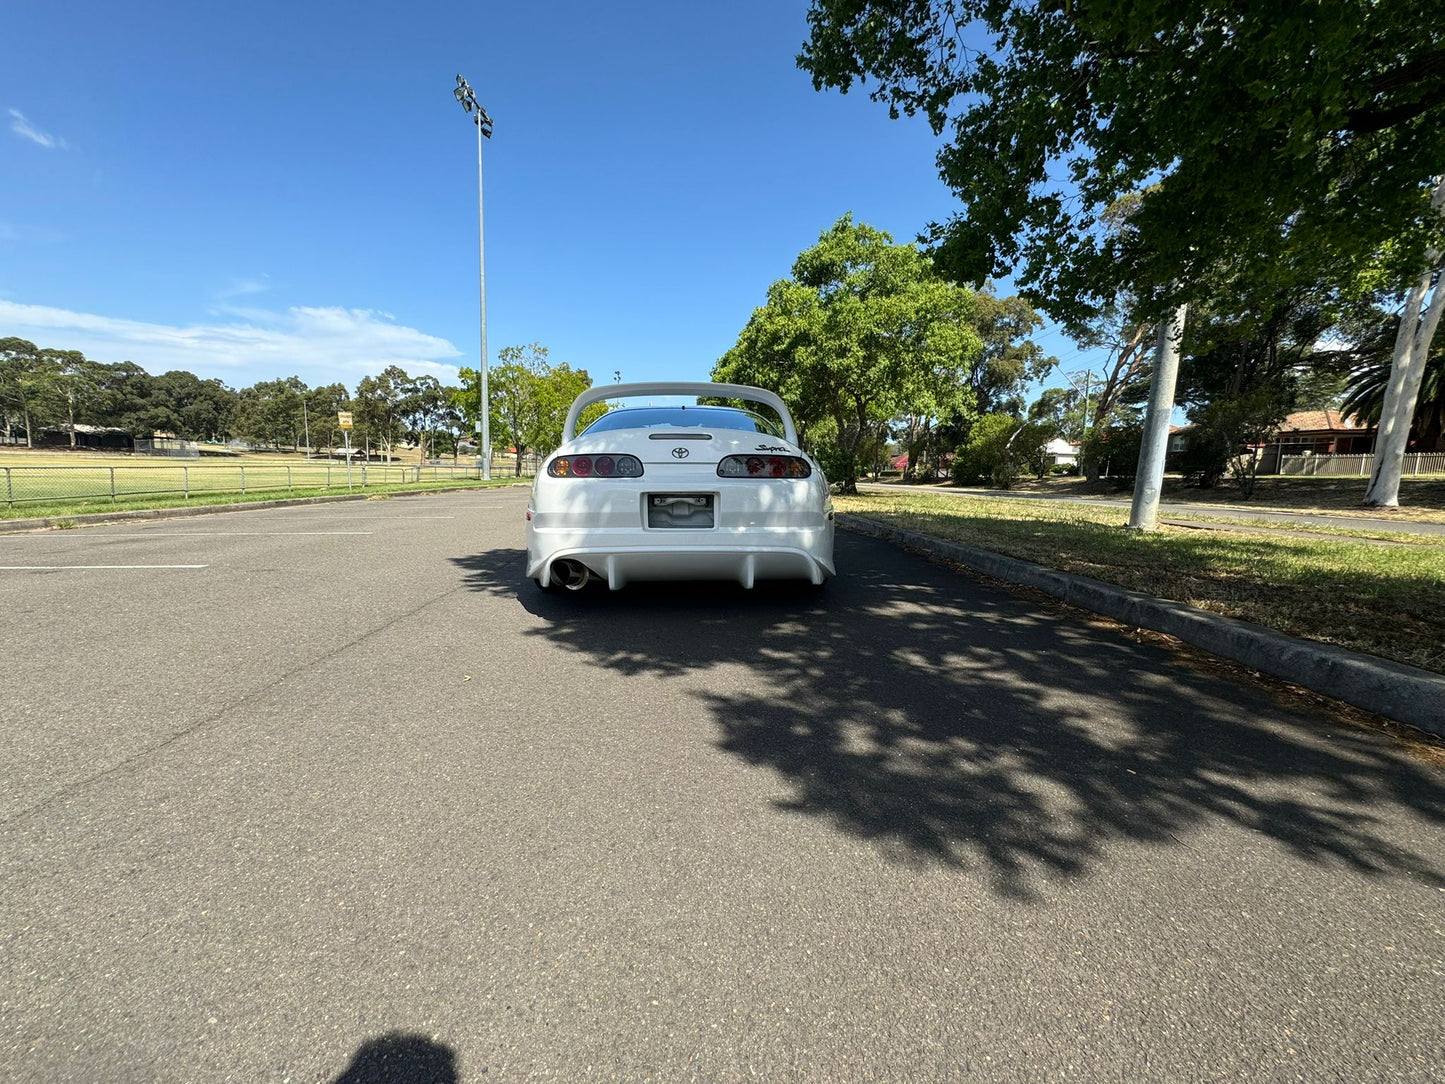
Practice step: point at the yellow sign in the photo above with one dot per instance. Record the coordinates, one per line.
(343, 419)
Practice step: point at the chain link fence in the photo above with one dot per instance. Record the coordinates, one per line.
(26, 484)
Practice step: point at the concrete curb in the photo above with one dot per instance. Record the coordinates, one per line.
(15, 526)
(1403, 693)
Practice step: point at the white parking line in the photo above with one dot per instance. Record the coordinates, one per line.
(226, 534)
(362, 515)
(80, 568)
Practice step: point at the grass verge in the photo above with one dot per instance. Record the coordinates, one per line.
(1384, 600)
(1421, 499)
(52, 508)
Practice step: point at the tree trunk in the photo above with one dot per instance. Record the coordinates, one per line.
(1149, 478)
(1407, 370)
(29, 439)
(70, 403)
(519, 461)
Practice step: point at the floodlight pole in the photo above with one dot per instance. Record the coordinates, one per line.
(464, 94)
(484, 406)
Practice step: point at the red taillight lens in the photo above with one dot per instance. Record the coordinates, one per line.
(598, 466)
(764, 466)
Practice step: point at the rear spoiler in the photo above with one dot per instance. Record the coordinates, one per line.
(718, 391)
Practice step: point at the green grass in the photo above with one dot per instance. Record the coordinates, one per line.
(80, 506)
(1384, 600)
(28, 484)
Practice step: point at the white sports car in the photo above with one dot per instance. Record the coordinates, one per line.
(679, 493)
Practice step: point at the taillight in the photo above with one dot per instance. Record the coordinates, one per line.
(595, 466)
(764, 466)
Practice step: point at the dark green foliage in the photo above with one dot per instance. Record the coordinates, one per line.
(1000, 450)
(1365, 397)
(862, 331)
(45, 388)
(1262, 141)
(1115, 451)
(1226, 433)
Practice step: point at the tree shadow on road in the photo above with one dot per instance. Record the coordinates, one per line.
(954, 723)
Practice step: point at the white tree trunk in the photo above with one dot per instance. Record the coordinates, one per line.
(1407, 369)
(1154, 448)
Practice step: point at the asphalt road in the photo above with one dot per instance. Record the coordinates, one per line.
(350, 802)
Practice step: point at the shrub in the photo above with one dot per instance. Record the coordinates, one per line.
(1115, 450)
(999, 450)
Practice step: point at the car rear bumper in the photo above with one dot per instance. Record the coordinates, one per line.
(620, 557)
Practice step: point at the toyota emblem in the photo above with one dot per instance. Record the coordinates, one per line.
(679, 453)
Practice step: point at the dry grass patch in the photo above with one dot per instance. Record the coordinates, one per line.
(1422, 500)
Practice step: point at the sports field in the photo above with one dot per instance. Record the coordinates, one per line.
(32, 479)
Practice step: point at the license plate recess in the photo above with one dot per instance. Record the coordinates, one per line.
(680, 510)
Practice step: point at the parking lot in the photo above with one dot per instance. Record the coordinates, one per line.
(293, 793)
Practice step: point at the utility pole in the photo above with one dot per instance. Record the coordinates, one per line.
(1149, 479)
(463, 93)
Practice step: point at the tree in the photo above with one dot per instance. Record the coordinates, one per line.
(378, 408)
(1263, 142)
(1000, 448)
(556, 393)
(862, 331)
(323, 404)
(77, 384)
(1365, 399)
(517, 398)
(30, 384)
(1407, 368)
(203, 409)
(1011, 360)
(423, 403)
(529, 399)
(1061, 410)
(270, 411)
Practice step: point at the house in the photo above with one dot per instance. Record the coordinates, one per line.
(1062, 452)
(1316, 432)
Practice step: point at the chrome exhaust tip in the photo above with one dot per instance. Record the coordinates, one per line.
(572, 574)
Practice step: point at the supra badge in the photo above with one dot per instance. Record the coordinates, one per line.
(679, 453)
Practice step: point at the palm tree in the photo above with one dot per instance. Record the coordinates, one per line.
(1365, 397)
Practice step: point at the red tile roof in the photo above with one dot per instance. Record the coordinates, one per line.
(1320, 421)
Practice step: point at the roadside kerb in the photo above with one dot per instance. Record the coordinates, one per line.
(15, 526)
(1403, 693)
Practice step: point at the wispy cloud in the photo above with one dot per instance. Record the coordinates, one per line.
(244, 287)
(320, 345)
(21, 126)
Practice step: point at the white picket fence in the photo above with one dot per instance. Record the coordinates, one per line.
(1338, 466)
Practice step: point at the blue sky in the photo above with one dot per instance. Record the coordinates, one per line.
(251, 191)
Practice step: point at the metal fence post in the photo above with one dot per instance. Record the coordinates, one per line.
(243, 479)
(112, 485)
(9, 493)
(186, 481)
(328, 476)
